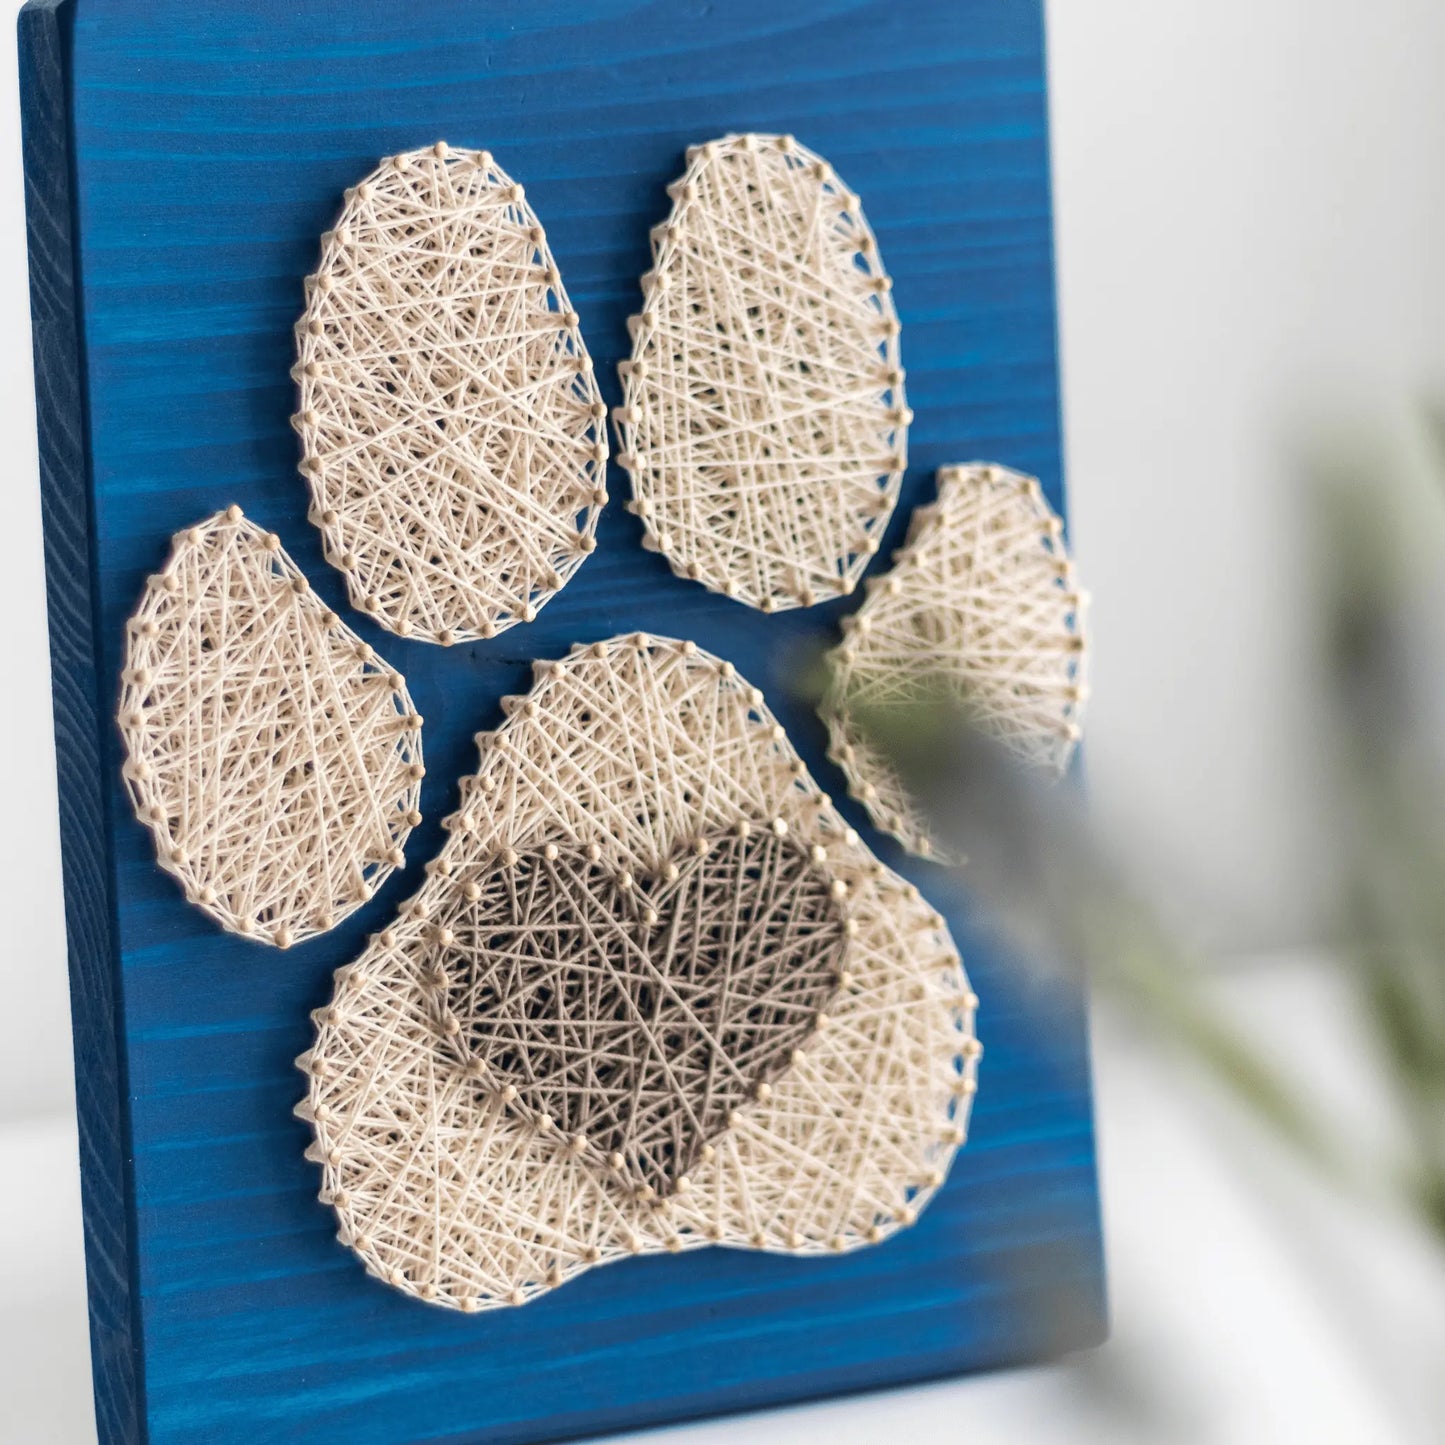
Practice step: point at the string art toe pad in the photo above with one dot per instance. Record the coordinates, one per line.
(654, 994)
(274, 757)
(452, 432)
(763, 420)
(981, 605)
(636, 1013)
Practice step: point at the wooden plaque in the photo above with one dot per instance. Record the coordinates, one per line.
(182, 159)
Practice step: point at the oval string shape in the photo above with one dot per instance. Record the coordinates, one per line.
(452, 432)
(274, 756)
(764, 422)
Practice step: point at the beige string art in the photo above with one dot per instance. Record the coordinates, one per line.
(763, 422)
(654, 994)
(452, 431)
(274, 757)
(981, 608)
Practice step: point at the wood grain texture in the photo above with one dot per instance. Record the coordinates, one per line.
(210, 147)
(81, 720)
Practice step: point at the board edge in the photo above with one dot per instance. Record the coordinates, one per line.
(45, 31)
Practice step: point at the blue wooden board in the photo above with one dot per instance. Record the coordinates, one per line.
(181, 161)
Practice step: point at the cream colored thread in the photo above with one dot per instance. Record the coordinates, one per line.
(275, 758)
(630, 750)
(981, 605)
(764, 422)
(452, 431)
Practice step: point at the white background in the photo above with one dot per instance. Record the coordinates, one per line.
(1251, 229)
(1250, 232)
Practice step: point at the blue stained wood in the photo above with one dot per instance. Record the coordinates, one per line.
(81, 711)
(181, 161)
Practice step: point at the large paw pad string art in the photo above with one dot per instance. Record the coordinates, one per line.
(654, 994)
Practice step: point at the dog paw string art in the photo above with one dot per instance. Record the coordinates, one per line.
(654, 992)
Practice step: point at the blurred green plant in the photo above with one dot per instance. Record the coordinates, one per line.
(1050, 885)
(1381, 558)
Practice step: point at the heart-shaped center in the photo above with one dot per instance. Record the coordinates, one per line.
(636, 1014)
